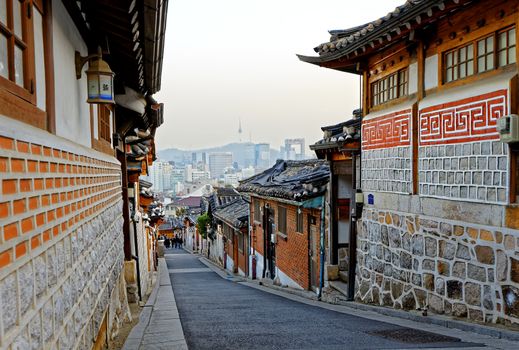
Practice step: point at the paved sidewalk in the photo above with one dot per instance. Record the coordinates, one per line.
(159, 324)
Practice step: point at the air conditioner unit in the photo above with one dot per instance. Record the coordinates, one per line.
(508, 128)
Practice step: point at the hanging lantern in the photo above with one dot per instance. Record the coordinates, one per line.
(100, 82)
(100, 78)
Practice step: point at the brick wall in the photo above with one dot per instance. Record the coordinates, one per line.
(291, 251)
(61, 245)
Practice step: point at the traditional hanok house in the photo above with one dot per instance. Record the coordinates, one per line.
(209, 203)
(439, 228)
(171, 227)
(288, 231)
(340, 146)
(63, 228)
(232, 221)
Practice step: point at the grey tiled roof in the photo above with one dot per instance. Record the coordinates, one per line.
(235, 213)
(339, 134)
(380, 31)
(290, 179)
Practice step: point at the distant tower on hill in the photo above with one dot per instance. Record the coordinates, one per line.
(239, 128)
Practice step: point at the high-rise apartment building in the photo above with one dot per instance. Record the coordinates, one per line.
(294, 149)
(218, 161)
(262, 155)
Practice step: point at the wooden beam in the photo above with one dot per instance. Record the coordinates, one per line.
(77, 17)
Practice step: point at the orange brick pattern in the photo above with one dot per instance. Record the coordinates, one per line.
(48, 188)
(60, 209)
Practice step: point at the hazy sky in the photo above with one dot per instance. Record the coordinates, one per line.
(227, 60)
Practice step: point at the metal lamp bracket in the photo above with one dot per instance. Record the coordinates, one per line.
(81, 60)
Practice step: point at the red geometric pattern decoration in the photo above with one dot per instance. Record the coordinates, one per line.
(470, 119)
(390, 130)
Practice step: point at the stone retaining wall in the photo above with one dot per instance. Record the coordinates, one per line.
(410, 261)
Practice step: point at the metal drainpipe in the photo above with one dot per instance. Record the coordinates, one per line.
(249, 257)
(264, 241)
(321, 265)
(136, 256)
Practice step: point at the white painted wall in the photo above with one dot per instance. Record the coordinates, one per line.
(229, 264)
(72, 110)
(285, 280)
(259, 265)
(39, 60)
(431, 72)
(413, 78)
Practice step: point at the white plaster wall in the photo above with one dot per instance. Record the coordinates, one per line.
(285, 280)
(39, 60)
(413, 78)
(259, 265)
(72, 111)
(431, 72)
(230, 264)
(397, 108)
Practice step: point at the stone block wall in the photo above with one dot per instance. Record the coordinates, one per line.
(473, 171)
(410, 261)
(386, 153)
(387, 170)
(61, 244)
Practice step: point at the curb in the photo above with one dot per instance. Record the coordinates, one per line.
(159, 322)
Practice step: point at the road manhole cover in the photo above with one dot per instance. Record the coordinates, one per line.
(408, 335)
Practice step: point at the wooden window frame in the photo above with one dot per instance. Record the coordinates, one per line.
(100, 144)
(390, 87)
(507, 48)
(26, 92)
(282, 220)
(17, 102)
(474, 41)
(458, 62)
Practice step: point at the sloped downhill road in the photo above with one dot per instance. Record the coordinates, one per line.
(221, 314)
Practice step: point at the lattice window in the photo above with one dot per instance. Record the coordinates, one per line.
(481, 55)
(104, 115)
(15, 31)
(389, 88)
(486, 54)
(459, 63)
(506, 47)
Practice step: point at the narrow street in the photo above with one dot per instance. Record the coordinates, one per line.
(221, 314)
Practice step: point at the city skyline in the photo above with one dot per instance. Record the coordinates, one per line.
(222, 72)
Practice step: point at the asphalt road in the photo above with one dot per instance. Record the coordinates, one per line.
(221, 314)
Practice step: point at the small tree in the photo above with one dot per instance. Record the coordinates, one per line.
(201, 224)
